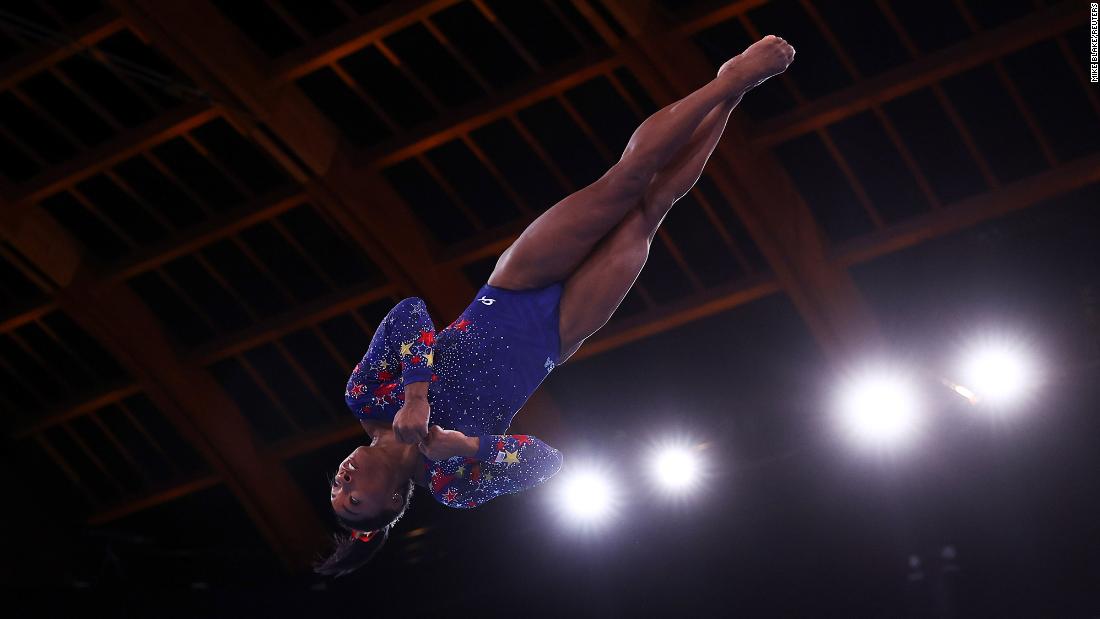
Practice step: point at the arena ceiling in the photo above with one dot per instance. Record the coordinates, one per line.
(208, 205)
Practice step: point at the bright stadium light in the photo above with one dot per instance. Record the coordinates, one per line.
(997, 372)
(879, 408)
(585, 495)
(676, 467)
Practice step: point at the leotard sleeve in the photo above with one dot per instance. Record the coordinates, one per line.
(505, 464)
(400, 352)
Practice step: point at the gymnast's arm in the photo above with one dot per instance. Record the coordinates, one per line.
(501, 464)
(401, 354)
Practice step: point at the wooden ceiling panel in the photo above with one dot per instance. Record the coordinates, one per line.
(436, 210)
(202, 537)
(490, 46)
(570, 150)
(823, 186)
(939, 150)
(263, 26)
(547, 34)
(535, 183)
(881, 169)
(401, 100)
(33, 132)
(1051, 88)
(172, 309)
(488, 196)
(18, 285)
(355, 117)
(1001, 131)
(707, 246)
(864, 33)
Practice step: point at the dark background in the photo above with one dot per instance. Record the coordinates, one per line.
(789, 522)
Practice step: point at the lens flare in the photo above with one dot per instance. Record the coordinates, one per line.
(879, 408)
(1000, 372)
(676, 467)
(586, 495)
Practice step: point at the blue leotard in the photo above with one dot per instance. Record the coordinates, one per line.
(481, 369)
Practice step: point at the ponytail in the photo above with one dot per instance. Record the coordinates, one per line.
(350, 553)
(360, 541)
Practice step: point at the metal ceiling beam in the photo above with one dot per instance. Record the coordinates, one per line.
(189, 397)
(28, 313)
(963, 214)
(344, 301)
(153, 499)
(484, 111)
(202, 413)
(821, 112)
(42, 243)
(45, 55)
(135, 141)
(354, 36)
(683, 311)
(280, 117)
(211, 230)
(79, 408)
(977, 50)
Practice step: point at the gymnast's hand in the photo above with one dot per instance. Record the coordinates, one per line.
(442, 444)
(410, 425)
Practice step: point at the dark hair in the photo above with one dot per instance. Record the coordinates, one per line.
(350, 554)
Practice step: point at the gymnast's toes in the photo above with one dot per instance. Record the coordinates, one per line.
(767, 57)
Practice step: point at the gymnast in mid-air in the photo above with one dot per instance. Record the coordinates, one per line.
(437, 405)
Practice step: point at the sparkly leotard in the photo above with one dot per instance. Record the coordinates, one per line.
(481, 370)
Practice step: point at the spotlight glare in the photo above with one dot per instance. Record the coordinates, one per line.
(879, 409)
(676, 468)
(964, 392)
(998, 372)
(586, 496)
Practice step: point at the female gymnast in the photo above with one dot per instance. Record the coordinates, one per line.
(556, 285)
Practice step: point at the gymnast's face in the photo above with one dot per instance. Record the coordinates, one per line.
(367, 483)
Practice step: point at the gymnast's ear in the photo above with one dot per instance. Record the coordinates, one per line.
(351, 552)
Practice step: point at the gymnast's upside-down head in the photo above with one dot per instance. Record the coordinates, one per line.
(369, 493)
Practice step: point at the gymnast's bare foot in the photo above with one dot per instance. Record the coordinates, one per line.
(767, 57)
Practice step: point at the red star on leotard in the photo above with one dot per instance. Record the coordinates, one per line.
(427, 337)
(462, 324)
(522, 439)
(356, 391)
(385, 375)
(384, 390)
(450, 495)
(440, 481)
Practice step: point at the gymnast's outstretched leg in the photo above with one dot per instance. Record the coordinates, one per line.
(559, 240)
(595, 290)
